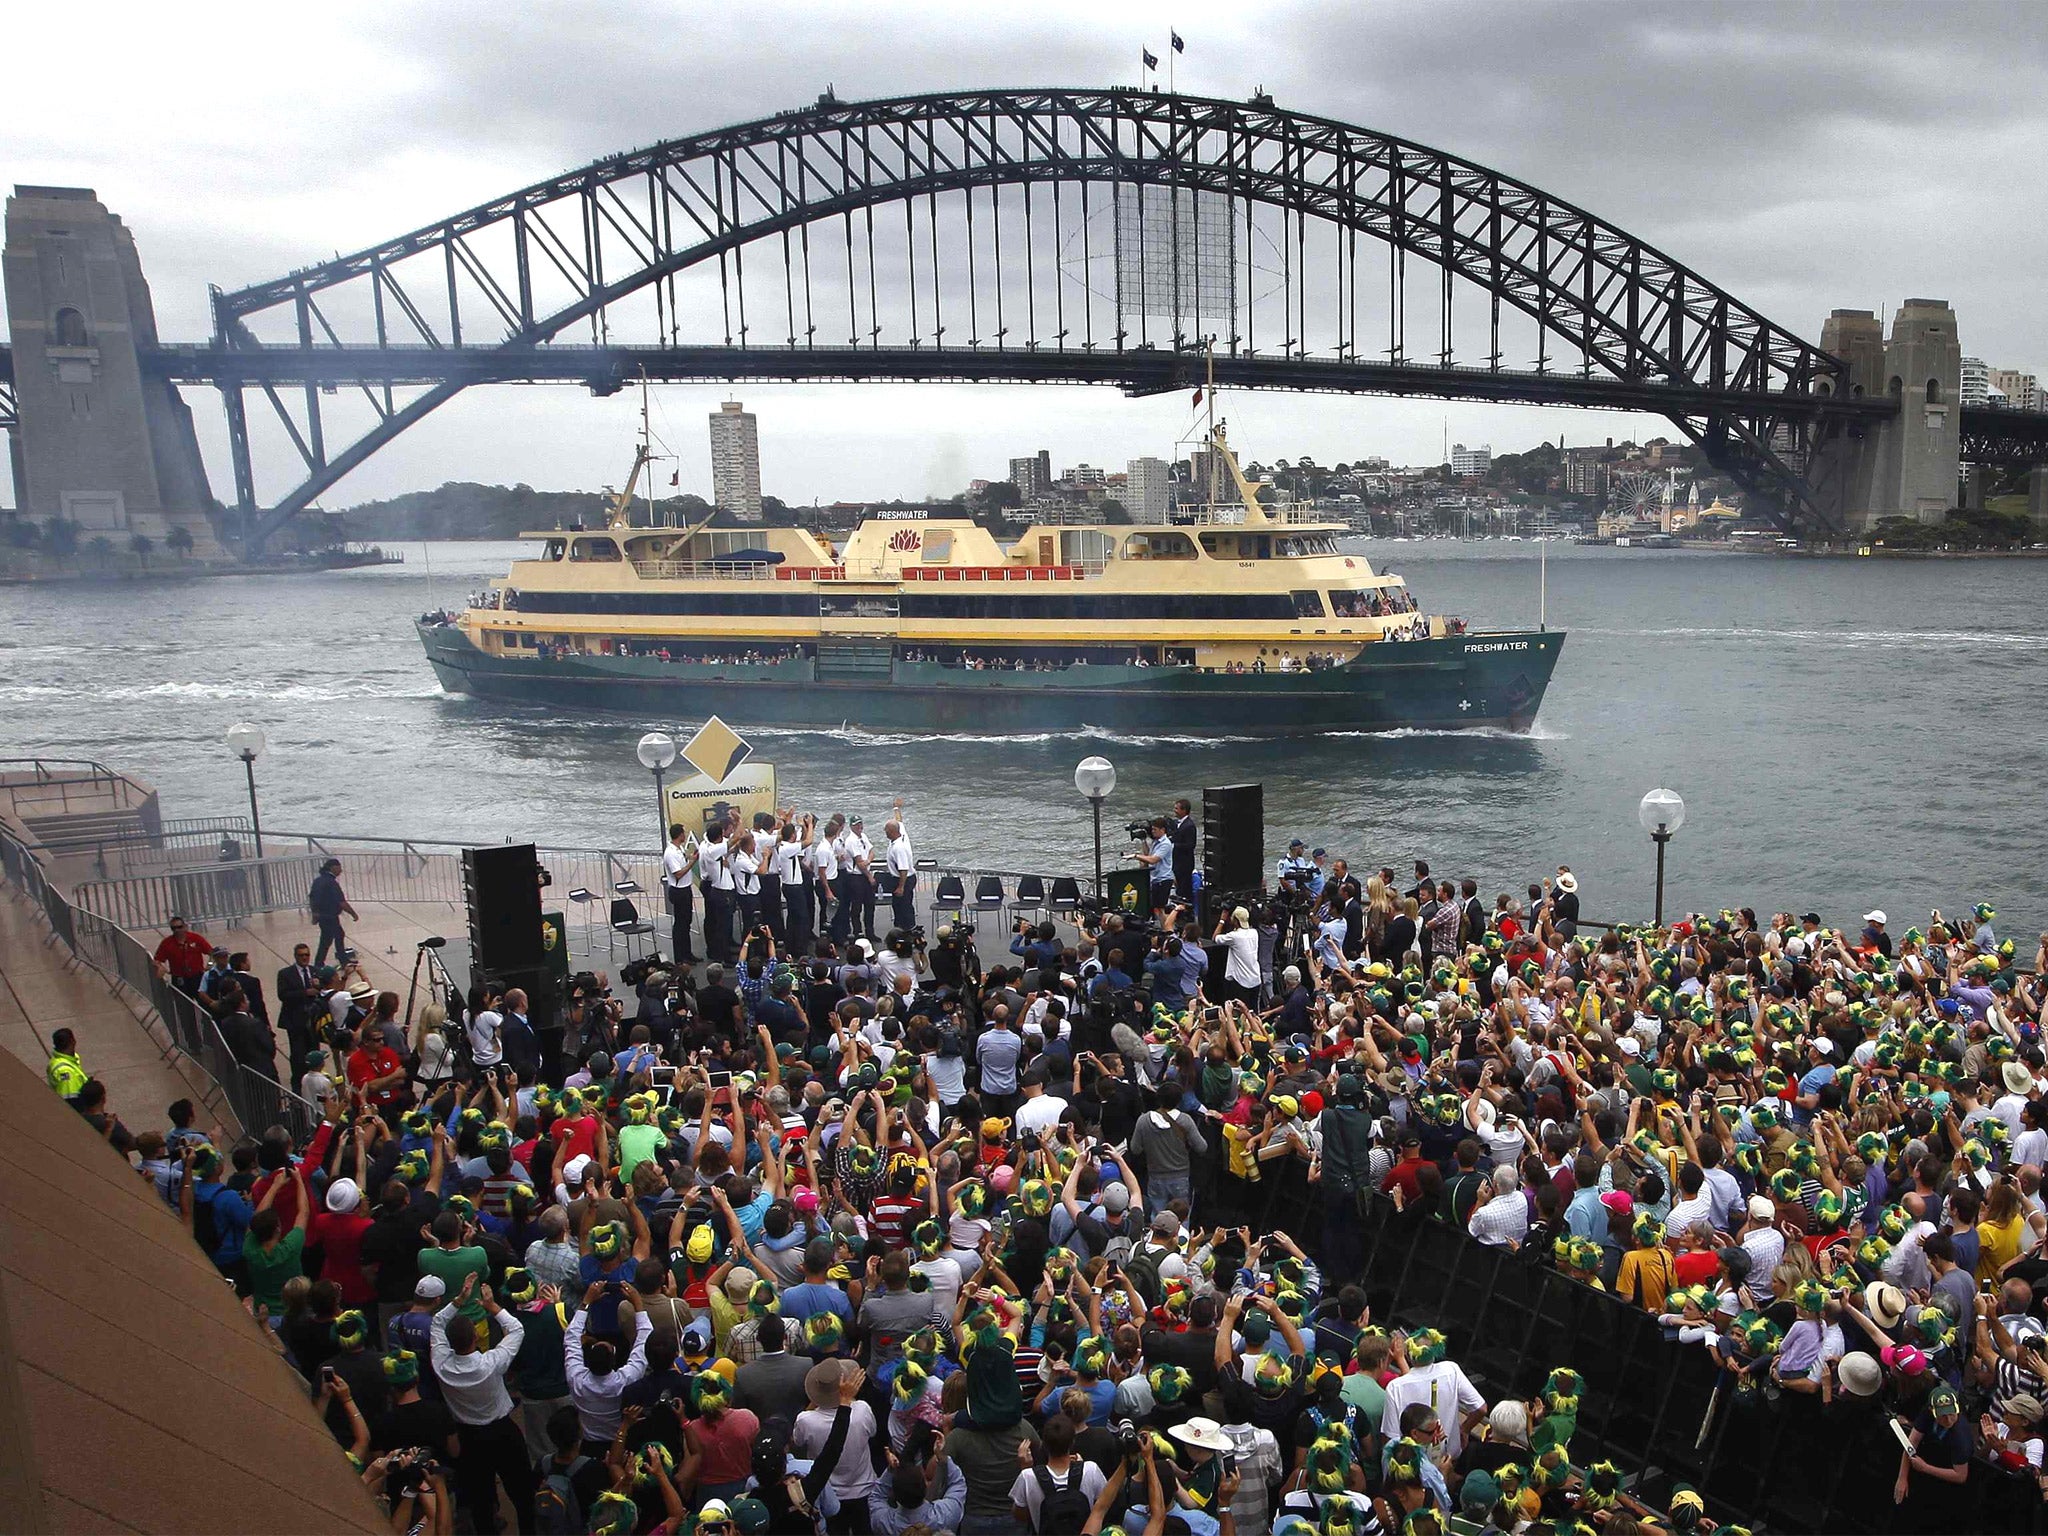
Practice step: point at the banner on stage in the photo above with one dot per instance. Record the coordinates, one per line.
(695, 801)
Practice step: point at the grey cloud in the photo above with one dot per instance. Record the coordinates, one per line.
(1804, 156)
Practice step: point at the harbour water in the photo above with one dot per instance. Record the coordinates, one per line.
(1846, 733)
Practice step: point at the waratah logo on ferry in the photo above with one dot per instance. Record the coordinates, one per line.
(904, 538)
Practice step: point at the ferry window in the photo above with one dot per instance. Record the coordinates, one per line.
(1085, 546)
(1221, 546)
(1159, 546)
(594, 549)
(1307, 604)
(555, 550)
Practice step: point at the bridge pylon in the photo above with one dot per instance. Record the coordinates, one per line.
(1907, 464)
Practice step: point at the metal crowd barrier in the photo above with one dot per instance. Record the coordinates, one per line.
(1651, 1404)
(252, 1101)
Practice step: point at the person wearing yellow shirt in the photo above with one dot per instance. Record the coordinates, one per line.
(65, 1073)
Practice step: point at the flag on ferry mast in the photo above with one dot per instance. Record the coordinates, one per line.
(1151, 58)
(1198, 397)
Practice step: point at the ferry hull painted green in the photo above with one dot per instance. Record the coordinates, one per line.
(1462, 682)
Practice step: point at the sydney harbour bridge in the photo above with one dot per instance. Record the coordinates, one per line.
(1118, 237)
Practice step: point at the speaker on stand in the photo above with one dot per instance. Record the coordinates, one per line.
(1234, 836)
(501, 894)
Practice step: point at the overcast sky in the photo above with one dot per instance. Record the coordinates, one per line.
(1806, 157)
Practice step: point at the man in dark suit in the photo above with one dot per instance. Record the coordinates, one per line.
(772, 1383)
(519, 1040)
(247, 1037)
(252, 989)
(299, 1002)
(1183, 834)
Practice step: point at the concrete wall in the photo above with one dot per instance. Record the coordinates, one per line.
(100, 443)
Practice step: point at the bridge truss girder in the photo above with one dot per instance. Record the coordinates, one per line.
(518, 273)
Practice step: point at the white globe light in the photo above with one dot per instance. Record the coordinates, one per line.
(1661, 811)
(246, 739)
(657, 749)
(1095, 777)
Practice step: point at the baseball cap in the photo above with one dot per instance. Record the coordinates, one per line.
(805, 1200)
(1296, 843)
(1116, 1198)
(1620, 1201)
(1904, 1358)
(1629, 1045)
(1874, 915)
(430, 1288)
(578, 1166)
(1822, 1044)
(1761, 1208)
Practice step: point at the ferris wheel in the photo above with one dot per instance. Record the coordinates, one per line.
(1638, 492)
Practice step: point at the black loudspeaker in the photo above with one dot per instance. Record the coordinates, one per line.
(501, 889)
(1234, 837)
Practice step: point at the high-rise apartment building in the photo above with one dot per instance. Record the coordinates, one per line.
(1471, 462)
(1032, 475)
(1148, 490)
(736, 461)
(2022, 391)
(1976, 381)
(1584, 472)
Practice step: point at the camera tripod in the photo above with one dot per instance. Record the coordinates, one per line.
(427, 957)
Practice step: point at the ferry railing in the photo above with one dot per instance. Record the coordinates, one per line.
(704, 570)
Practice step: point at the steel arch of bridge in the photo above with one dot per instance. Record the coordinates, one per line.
(1754, 395)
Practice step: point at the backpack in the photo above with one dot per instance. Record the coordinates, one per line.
(556, 1509)
(1062, 1509)
(1120, 1247)
(1142, 1270)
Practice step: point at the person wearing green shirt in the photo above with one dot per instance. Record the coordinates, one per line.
(639, 1142)
(1362, 1387)
(452, 1259)
(270, 1255)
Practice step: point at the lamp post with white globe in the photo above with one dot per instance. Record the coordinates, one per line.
(656, 750)
(1662, 813)
(1095, 778)
(247, 742)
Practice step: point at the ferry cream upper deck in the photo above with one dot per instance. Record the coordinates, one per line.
(1238, 583)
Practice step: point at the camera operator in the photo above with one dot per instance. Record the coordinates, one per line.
(486, 1029)
(954, 964)
(591, 1017)
(902, 954)
(1157, 857)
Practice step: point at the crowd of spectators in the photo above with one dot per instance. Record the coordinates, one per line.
(877, 1239)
